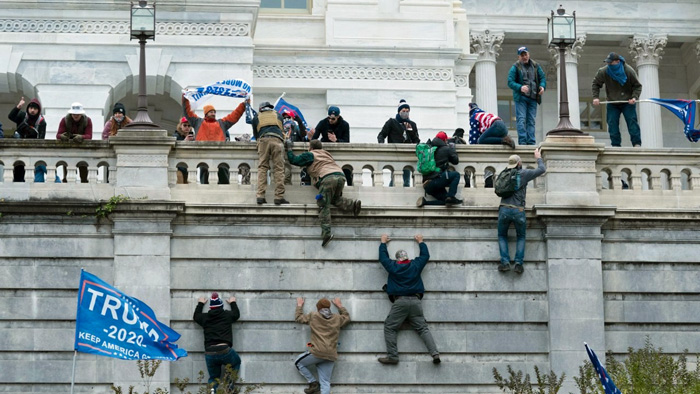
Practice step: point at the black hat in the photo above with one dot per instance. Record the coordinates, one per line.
(266, 104)
(612, 56)
(119, 107)
(403, 104)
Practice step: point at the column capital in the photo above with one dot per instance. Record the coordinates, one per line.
(486, 44)
(573, 52)
(647, 49)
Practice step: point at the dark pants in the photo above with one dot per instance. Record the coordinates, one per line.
(407, 308)
(494, 134)
(436, 187)
(216, 362)
(629, 111)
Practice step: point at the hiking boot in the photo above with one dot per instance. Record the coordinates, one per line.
(508, 141)
(436, 359)
(314, 388)
(453, 201)
(420, 202)
(518, 268)
(280, 201)
(504, 267)
(356, 208)
(327, 239)
(388, 360)
(261, 200)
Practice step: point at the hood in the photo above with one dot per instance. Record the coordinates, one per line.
(36, 102)
(437, 142)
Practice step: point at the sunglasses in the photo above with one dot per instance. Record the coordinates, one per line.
(332, 118)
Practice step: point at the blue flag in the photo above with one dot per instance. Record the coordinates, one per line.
(608, 384)
(284, 105)
(685, 110)
(110, 323)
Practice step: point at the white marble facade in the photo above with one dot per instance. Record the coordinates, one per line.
(363, 57)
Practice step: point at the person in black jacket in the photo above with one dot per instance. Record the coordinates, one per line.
(400, 130)
(435, 183)
(218, 335)
(333, 128)
(30, 124)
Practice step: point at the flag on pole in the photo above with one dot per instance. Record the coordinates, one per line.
(282, 105)
(685, 110)
(227, 88)
(608, 384)
(110, 323)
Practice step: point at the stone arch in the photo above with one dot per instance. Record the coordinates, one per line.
(164, 105)
(14, 86)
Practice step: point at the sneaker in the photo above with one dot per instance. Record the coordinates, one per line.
(420, 202)
(280, 201)
(327, 239)
(504, 267)
(261, 200)
(436, 359)
(357, 207)
(518, 268)
(637, 146)
(388, 360)
(453, 201)
(314, 388)
(508, 141)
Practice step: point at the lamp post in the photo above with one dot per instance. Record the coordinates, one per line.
(143, 27)
(562, 33)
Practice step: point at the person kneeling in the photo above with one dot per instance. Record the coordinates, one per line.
(436, 183)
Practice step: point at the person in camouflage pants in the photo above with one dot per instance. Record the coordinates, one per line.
(328, 177)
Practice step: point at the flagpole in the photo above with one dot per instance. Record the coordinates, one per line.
(278, 98)
(72, 379)
(639, 101)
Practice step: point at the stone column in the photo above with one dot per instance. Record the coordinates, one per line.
(573, 217)
(646, 51)
(142, 231)
(487, 46)
(573, 53)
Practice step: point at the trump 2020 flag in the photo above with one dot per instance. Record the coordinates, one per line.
(282, 104)
(608, 384)
(110, 323)
(227, 88)
(685, 110)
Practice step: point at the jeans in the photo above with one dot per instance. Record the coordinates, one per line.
(436, 187)
(410, 308)
(323, 367)
(494, 134)
(525, 114)
(216, 361)
(506, 216)
(629, 111)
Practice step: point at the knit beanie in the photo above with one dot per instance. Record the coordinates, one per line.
(215, 301)
(323, 303)
(403, 104)
(119, 108)
(208, 108)
(472, 107)
(442, 135)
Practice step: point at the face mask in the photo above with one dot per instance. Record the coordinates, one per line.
(403, 115)
(118, 117)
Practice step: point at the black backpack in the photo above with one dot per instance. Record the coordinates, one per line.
(507, 182)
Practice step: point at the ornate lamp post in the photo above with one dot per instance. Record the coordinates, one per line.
(562, 33)
(143, 27)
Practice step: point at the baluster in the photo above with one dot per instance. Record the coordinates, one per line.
(378, 180)
(617, 182)
(636, 182)
(92, 174)
(50, 174)
(676, 183)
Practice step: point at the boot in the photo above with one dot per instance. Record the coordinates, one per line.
(356, 208)
(314, 388)
(508, 141)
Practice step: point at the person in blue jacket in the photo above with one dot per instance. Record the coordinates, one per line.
(405, 289)
(528, 82)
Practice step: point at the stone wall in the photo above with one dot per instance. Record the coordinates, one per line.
(603, 265)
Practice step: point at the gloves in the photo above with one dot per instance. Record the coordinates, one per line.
(288, 145)
(78, 138)
(64, 137)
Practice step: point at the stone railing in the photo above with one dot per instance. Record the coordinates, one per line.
(623, 177)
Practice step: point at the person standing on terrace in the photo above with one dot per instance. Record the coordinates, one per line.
(400, 130)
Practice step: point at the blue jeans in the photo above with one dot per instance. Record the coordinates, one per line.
(494, 134)
(525, 114)
(506, 216)
(436, 187)
(629, 111)
(216, 362)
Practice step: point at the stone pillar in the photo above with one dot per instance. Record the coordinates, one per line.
(646, 51)
(573, 53)
(142, 163)
(487, 46)
(142, 231)
(573, 217)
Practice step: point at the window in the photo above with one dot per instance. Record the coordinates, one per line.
(287, 5)
(591, 116)
(506, 111)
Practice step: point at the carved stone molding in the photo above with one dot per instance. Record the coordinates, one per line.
(648, 49)
(486, 45)
(571, 165)
(116, 27)
(372, 73)
(573, 52)
(461, 81)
